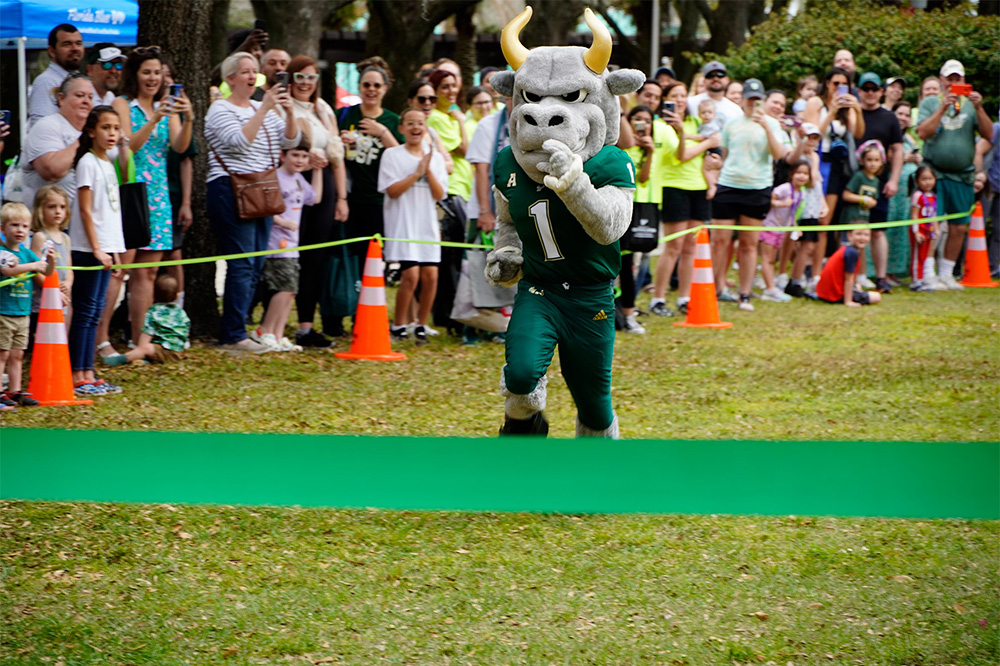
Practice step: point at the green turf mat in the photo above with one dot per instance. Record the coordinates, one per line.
(891, 479)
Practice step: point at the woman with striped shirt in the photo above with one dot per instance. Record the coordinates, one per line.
(248, 136)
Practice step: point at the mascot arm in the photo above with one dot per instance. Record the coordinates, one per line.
(503, 263)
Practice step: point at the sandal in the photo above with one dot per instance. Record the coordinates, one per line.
(106, 345)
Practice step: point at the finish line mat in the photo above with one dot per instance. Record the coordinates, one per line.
(889, 479)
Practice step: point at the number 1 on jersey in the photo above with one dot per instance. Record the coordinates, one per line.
(539, 212)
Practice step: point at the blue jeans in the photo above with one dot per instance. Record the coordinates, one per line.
(235, 235)
(90, 289)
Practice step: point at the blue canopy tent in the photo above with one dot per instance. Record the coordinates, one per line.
(25, 24)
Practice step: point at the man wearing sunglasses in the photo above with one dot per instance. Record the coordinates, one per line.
(716, 82)
(104, 67)
(65, 53)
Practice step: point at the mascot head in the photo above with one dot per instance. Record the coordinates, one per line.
(561, 92)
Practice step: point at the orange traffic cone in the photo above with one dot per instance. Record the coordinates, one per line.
(977, 263)
(51, 380)
(703, 308)
(370, 337)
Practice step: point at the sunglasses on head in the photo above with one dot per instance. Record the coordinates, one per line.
(369, 84)
(299, 77)
(114, 64)
(427, 99)
(147, 50)
(715, 75)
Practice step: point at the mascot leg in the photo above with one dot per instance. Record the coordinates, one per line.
(611, 432)
(523, 412)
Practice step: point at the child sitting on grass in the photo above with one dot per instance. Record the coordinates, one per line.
(15, 298)
(165, 329)
(281, 270)
(838, 282)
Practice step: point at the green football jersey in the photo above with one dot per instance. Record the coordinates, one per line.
(555, 247)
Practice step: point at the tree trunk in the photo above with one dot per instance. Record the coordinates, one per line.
(465, 47)
(183, 30)
(220, 35)
(552, 23)
(293, 25)
(687, 39)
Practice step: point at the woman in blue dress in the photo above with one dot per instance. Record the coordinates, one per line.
(153, 122)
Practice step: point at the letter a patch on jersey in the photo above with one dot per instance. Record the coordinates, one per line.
(512, 181)
(600, 316)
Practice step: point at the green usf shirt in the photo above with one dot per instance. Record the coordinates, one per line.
(555, 247)
(363, 160)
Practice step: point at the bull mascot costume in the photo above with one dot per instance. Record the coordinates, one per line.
(564, 197)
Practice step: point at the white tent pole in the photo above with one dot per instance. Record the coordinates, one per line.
(22, 88)
(654, 48)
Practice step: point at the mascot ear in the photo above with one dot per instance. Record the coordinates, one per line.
(503, 83)
(620, 82)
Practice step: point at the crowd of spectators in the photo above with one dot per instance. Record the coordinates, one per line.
(845, 147)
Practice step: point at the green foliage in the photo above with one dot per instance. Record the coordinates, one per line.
(883, 39)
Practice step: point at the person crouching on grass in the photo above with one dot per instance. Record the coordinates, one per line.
(838, 282)
(15, 298)
(414, 177)
(165, 328)
(281, 270)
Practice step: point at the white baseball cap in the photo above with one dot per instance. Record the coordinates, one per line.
(811, 129)
(952, 67)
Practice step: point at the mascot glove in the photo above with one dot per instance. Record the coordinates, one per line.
(503, 266)
(563, 167)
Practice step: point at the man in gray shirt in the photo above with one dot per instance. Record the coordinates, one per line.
(66, 53)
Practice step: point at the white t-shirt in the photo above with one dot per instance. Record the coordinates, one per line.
(726, 109)
(106, 211)
(482, 150)
(48, 135)
(412, 214)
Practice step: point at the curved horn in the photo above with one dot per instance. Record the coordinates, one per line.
(510, 42)
(598, 55)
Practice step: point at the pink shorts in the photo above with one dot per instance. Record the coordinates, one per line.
(773, 238)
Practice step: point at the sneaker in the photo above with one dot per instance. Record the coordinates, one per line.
(6, 402)
(882, 286)
(795, 289)
(775, 296)
(286, 345)
(398, 333)
(682, 307)
(632, 325)
(893, 282)
(934, 284)
(781, 281)
(726, 296)
(949, 282)
(420, 334)
(248, 346)
(107, 388)
(269, 340)
(310, 337)
(86, 389)
(22, 399)
(758, 282)
(745, 303)
(662, 310)
(919, 287)
(865, 283)
(427, 329)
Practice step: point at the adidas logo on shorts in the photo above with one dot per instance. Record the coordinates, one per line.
(600, 316)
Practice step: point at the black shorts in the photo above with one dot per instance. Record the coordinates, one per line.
(876, 215)
(403, 265)
(730, 203)
(809, 236)
(858, 297)
(683, 205)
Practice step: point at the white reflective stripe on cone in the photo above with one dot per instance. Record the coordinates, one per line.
(703, 251)
(374, 267)
(372, 296)
(51, 299)
(51, 333)
(977, 243)
(703, 276)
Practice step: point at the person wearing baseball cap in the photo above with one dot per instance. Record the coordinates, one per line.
(665, 76)
(104, 67)
(716, 81)
(743, 197)
(948, 124)
(894, 88)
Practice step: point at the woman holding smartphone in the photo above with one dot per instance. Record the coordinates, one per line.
(836, 112)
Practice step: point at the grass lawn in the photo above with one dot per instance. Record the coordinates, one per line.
(156, 584)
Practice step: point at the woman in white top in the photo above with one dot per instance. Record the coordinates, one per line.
(247, 136)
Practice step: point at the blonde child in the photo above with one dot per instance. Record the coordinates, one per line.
(49, 221)
(15, 298)
(96, 235)
(923, 204)
(414, 178)
(165, 329)
(786, 208)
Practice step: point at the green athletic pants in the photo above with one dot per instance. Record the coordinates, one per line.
(581, 321)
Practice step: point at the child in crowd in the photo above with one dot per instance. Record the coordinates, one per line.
(49, 221)
(862, 189)
(15, 298)
(813, 209)
(923, 204)
(786, 208)
(710, 124)
(96, 237)
(414, 178)
(806, 88)
(165, 329)
(838, 282)
(281, 270)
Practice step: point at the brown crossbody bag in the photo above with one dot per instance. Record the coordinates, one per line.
(257, 194)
